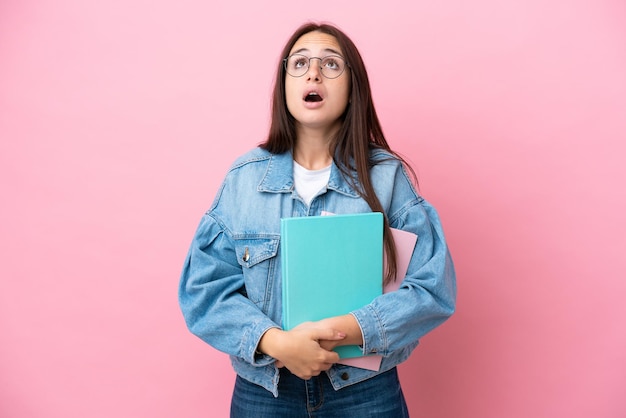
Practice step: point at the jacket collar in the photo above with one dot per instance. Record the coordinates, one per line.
(278, 177)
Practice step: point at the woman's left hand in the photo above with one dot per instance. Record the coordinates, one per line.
(347, 324)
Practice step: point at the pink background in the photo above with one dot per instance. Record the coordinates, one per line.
(119, 118)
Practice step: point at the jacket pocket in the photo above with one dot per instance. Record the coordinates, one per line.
(257, 257)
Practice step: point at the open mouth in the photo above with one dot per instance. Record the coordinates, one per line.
(313, 97)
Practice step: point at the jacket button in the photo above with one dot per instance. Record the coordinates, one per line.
(345, 376)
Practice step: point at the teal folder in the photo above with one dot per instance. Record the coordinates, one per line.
(331, 265)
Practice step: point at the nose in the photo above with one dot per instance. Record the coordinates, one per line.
(315, 71)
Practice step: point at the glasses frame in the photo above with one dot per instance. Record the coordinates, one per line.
(285, 60)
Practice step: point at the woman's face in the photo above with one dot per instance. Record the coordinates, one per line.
(315, 101)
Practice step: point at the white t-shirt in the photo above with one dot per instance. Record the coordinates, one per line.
(309, 182)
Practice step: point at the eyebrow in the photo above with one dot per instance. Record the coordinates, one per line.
(332, 51)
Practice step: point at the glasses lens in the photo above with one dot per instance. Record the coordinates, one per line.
(297, 65)
(332, 66)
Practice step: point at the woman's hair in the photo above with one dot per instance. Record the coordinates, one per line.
(359, 133)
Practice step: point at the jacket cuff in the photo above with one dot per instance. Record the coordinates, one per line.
(374, 341)
(250, 344)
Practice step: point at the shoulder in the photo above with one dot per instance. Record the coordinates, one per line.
(241, 181)
(255, 155)
(393, 182)
(385, 163)
(381, 156)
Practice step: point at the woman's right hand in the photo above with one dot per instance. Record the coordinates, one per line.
(299, 350)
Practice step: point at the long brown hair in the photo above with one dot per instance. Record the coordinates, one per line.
(359, 133)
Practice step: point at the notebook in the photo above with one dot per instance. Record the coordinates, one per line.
(331, 265)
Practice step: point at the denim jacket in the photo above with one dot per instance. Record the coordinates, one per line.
(230, 287)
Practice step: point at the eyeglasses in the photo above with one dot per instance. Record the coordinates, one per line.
(331, 66)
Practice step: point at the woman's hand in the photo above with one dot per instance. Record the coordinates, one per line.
(299, 349)
(347, 324)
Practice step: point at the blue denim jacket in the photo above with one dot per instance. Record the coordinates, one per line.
(230, 288)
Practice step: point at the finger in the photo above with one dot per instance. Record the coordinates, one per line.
(328, 334)
(334, 357)
(329, 358)
(327, 344)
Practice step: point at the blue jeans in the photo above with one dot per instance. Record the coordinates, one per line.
(378, 397)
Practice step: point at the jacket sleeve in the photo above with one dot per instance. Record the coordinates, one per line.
(212, 297)
(427, 295)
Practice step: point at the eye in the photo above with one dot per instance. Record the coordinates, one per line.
(331, 63)
(298, 62)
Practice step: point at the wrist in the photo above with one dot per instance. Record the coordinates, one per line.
(268, 342)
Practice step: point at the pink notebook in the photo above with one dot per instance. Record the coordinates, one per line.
(405, 244)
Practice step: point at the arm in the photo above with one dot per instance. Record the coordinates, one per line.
(217, 311)
(211, 295)
(427, 295)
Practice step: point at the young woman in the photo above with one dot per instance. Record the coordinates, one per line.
(325, 152)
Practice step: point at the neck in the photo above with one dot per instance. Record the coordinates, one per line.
(312, 156)
(312, 148)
